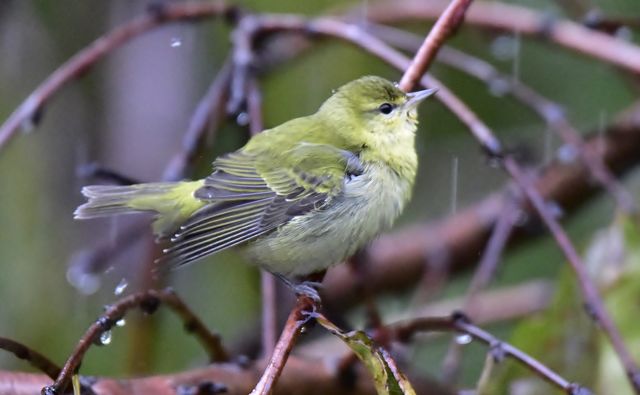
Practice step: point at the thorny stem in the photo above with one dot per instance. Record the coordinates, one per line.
(148, 301)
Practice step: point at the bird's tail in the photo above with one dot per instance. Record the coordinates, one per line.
(172, 202)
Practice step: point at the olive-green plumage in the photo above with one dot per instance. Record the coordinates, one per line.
(299, 197)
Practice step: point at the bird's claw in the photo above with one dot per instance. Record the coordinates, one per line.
(308, 289)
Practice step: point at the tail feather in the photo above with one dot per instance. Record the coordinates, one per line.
(173, 202)
(105, 200)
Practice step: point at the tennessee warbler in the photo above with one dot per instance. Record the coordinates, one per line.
(297, 198)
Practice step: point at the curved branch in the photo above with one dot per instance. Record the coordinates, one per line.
(513, 18)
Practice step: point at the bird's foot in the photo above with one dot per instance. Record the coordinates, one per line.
(308, 289)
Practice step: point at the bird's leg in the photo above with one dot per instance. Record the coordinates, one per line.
(305, 288)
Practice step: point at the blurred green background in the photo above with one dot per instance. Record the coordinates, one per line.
(130, 111)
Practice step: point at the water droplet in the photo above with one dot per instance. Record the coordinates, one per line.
(499, 87)
(85, 283)
(464, 339)
(567, 153)
(242, 119)
(504, 47)
(105, 338)
(175, 42)
(122, 285)
(121, 322)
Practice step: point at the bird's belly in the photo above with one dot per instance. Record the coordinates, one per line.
(368, 205)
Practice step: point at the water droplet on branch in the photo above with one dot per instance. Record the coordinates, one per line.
(464, 339)
(105, 338)
(122, 285)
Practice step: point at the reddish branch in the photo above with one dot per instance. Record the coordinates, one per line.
(488, 141)
(148, 301)
(298, 318)
(499, 350)
(552, 113)
(397, 260)
(447, 23)
(34, 358)
(512, 18)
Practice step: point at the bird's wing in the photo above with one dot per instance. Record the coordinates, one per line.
(251, 195)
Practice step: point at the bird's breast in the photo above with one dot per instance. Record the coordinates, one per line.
(368, 204)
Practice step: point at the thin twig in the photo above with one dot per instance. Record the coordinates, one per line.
(484, 272)
(292, 330)
(446, 24)
(404, 331)
(34, 358)
(501, 16)
(268, 285)
(492, 146)
(208, 116)
(85, 59)
(148, 301)
(552, 113)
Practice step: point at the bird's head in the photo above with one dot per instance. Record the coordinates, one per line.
(375, 105)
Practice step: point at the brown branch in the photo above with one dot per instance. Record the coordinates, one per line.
(299, 376)
(80, 63)
(552, 113)
(148, 301)
(404, 331)
(489, 142)
(268, 284)
(208, 116)
(34, 358)
(397, 260)
(292, 330)
(508, 17)
(447, 23)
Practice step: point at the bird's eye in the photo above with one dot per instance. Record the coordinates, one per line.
(385, 108)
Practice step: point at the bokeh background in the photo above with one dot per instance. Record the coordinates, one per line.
(130, 111)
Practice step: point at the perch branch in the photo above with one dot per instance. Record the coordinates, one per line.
(292, 330)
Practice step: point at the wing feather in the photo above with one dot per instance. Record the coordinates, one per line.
(249, 197)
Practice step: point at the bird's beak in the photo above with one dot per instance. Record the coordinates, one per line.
(416, 97)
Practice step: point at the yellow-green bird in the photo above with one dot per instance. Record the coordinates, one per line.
(296, 198)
